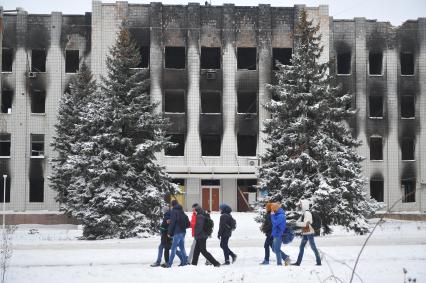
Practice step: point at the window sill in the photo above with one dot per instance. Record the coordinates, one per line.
(179, 69)
(408, 118)
(376, 118)
(408, 160)
(173, 156)
(344, 75)
(211, 156)
(37, 157)
(6, 72)
(376, 160)
(38, 114)
(140, 68)
(375, 75)
(5, 157)
(245, 70)
(413, 75)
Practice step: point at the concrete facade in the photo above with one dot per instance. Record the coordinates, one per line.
(229, 176)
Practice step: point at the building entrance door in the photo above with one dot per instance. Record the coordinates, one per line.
(210, 198)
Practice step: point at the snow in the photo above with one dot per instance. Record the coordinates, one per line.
(54, 254)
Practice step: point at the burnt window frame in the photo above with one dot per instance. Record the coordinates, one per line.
(37, 139)
(400, 64)
(205, 92)
(2, 106)
(338, 60)
(407, 195)
(11, 60)
(413, 105)
(369, 64)
(34, 93)
(375, 137)
(378, 196)
(6, 140)
(256, 59)
(275, 50)
(180, 91)
(36, 70)
(246, 93)
(239, 153)
(166, 48)
(71, 51)
(203, 142)
(370, 97)
(169, 152)
(201, 57)
(408, 142)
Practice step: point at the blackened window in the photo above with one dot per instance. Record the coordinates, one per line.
(210, 57)
(375, 63)
(144, 54)
(409, 190)
(36, 179)
(407, 63)
(174, 101)
(247, 102)
(377, 189)
(6, 101)
(247, 145)
(344, 63)
(211, 102)
(38, 101)
(72, 61)
(210, 145)
(37, 145)
(246, 58)
(7, 60)
(408, 106)
(38, 60)
(376, 148)
(376, 106)
(175, 57)
(282, 55)
(179, 148)
(407, 149)
(4, 145)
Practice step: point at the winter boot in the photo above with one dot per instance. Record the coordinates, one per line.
(287, 261)
(234, 258)
(296, 264)
(265, 262)
(226, 263)
(155, 264)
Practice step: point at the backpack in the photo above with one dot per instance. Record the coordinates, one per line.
(233, 224)
(208, 225)
(185, 222)
(288, 235)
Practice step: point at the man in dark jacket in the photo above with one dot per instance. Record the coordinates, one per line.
(177, 229)
(267, 230)
(201, 239)
(226, 225)
(166, 242)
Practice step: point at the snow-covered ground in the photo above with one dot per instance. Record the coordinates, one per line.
(54, 254)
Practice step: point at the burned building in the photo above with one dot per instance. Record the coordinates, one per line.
(208, 67)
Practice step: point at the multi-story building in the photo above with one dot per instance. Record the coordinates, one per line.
(208, 67)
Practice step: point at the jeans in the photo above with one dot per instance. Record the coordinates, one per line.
(311, 240)
(226, 250)
(178, 241)
(162, 247)
(268, 244)
(200, 247)
(276, 247)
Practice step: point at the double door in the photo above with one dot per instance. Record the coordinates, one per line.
(210, 198)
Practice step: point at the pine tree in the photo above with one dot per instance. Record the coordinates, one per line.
(70, 119)
(312, 154)
(117, 187)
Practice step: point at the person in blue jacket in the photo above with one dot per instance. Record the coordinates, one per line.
(278, 220)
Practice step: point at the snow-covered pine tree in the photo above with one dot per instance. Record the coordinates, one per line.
(311, 153)
(120, 188)
(70, 119)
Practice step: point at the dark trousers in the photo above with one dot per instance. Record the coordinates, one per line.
(200, 247)
(226, 250)
(268, 244)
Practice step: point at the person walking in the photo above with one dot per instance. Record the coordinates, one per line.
(226, 225)
(166, 242)
(178, 223)
(278, 220)
(193, 222)
(305, 222)
(266, 228)
(201, 238)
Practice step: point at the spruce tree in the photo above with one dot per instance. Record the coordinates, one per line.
(311, 153)
(117, 188)
(71, 110)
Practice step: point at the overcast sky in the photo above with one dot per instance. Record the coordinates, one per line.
(394, 11)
